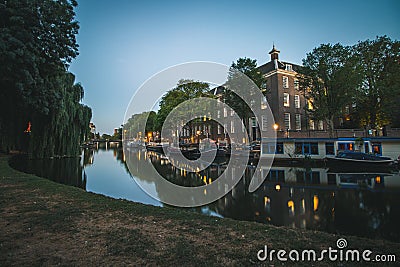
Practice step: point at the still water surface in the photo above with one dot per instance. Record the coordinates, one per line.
(357, 203)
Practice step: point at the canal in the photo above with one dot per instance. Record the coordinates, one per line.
(357, 203)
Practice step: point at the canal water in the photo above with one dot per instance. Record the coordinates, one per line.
(357, 203)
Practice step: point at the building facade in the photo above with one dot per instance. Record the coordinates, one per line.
(286, 100)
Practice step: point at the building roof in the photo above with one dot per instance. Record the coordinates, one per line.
(270, 66)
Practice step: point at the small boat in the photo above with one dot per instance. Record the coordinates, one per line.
(157, 147)
(358, 159)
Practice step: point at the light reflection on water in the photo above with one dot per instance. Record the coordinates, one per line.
(364, 204)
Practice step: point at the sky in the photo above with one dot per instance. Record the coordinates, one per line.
(123, 43)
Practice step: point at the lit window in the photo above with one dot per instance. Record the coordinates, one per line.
(298, 122)
(286, 99)
(312, 125)
(310, 104)
(287, 121)
(320, 125)
(297, 101)
(285, 82)
(347, 110)
(264, 103)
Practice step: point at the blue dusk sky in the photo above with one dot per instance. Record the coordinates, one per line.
(123, 43)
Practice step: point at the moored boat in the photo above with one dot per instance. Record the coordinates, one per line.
(358, 159)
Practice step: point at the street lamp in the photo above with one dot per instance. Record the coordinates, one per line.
(275, 126)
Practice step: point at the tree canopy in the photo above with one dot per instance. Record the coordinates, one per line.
(37, 44)
(364, 76)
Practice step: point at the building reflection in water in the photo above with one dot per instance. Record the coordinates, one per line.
(364, 204)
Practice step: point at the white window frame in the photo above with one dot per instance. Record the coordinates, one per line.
(286, 100)
(296, 84)
(298, 121)
(264, 123)
(287, 120)
(288, 67)
(297, 101)
(285, 82)
(312, 124)
(320, 125)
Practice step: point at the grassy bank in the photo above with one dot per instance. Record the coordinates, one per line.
(45, 223)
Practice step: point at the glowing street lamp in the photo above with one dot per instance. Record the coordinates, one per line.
(275, 126)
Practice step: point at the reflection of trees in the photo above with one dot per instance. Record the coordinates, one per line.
(368, 213)
(302, 201)
(62, 170)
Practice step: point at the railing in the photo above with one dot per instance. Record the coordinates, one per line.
(337, 133)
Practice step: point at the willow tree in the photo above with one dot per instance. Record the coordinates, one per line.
(39, 100)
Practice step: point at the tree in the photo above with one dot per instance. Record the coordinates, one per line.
(328, 79)
(137, 122)
(185, 90)
(37, 43)
(377, 101)
(237, 81)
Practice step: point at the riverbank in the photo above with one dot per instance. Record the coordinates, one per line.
(45, 223)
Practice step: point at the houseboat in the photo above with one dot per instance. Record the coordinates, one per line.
(320, 148)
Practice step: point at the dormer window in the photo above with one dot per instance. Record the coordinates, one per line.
(288, 67)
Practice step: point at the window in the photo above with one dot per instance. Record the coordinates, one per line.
(312, 125)
(285, 99)
(219, 129)
(264, 103)
(308, 177)
(297, 101)
(320, 125)
(347, 110)
(306, 148)
(298, 122)
(346, 146)
(225, 128)
(377, 149)
(276, 175)
(310, 104)
(329, 149)
(232, 126)
(264, 123)
(271, 148)
(225, 112)
(218, 113)
(296, 84)
(285, 82)
(232, 112)
(287, 121)
(288, 67)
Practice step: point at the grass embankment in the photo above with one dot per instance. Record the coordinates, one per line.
(43, 222)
